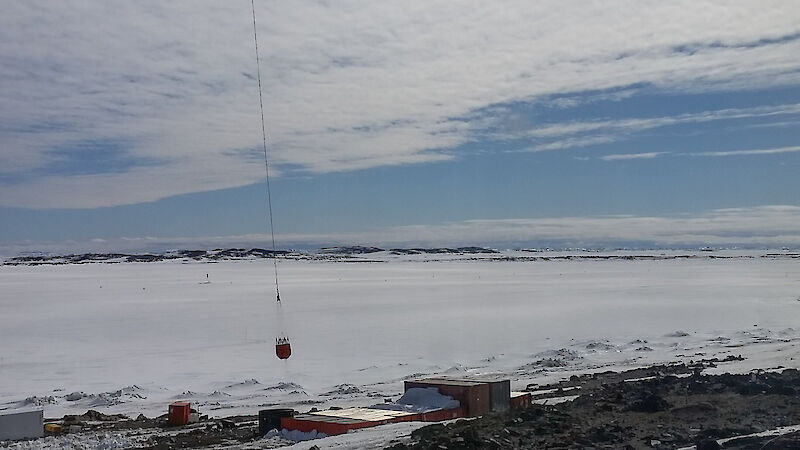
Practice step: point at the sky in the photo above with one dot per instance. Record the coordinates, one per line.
(136, 125)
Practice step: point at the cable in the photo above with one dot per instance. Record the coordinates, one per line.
(266, 159)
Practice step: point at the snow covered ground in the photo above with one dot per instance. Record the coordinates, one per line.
(132, 337)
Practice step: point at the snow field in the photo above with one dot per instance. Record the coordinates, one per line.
(130, 338)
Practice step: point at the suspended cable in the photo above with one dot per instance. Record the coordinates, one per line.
(266, 159)
(283, 348)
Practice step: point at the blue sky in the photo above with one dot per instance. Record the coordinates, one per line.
(136, 126)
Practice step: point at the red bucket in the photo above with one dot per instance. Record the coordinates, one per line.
(283, 349)
(179, 413)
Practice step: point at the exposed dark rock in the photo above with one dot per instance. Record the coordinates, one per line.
(352, 250)
(708, 444)
(636, 414)
(650, 403)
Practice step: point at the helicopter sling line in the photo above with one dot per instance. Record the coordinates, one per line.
(283, 348)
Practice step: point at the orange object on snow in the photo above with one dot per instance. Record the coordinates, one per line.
(282, 348)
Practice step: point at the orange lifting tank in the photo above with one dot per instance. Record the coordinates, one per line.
(282, 348)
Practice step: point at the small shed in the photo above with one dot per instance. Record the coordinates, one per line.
(474, 396)
(520, 400)
(28, 424)
(478, 395)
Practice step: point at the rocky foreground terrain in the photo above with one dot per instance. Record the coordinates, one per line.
(666, 407)
(663, 407)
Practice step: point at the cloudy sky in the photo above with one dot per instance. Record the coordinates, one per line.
(136, 124)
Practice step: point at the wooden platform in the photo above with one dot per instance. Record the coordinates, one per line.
(339, 421)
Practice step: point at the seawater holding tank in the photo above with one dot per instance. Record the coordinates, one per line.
(269, 419)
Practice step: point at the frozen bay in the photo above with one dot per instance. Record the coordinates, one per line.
(130, 337)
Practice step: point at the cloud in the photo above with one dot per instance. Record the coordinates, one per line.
(348, 85)
(777, 225)
(751, 152)
(579, 134)
(620, 157)
(765, 151)
(573, 142)
(771, 226)
(571, 101)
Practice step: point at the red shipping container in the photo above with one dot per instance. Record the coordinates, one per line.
(179, 413)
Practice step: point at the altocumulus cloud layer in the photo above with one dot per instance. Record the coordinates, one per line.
(109, 102)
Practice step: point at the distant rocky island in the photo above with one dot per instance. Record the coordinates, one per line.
(230, 254)
(375, 254)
